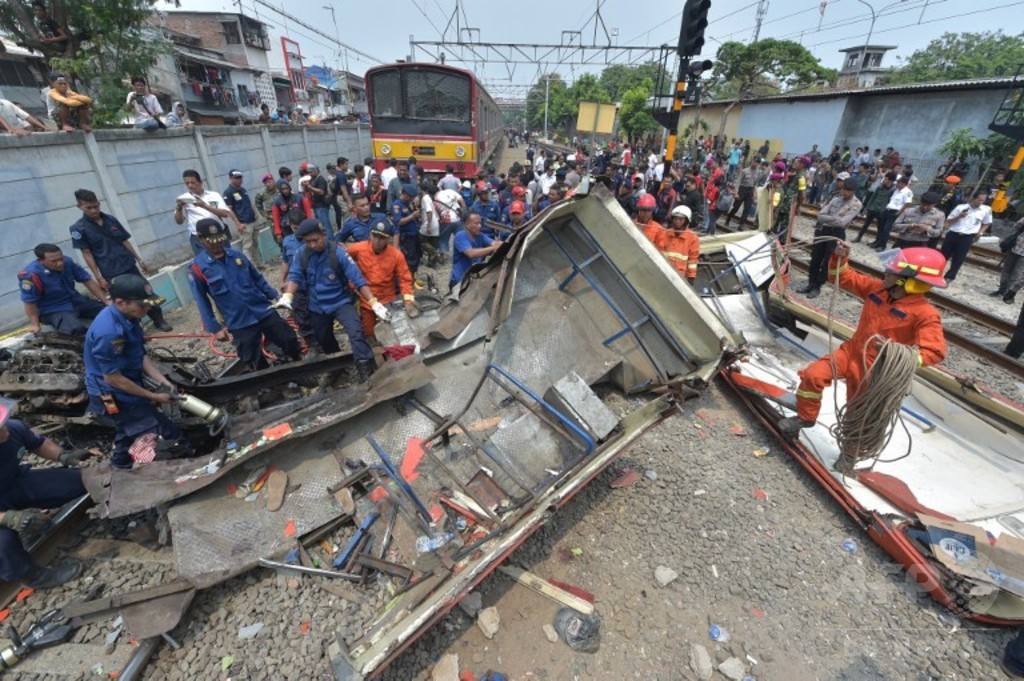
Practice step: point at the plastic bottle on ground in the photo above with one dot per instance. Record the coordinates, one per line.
(425, 544)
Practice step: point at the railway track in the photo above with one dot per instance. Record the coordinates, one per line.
(951, 305)
(981, 256)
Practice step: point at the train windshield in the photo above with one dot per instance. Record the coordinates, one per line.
(421, 101)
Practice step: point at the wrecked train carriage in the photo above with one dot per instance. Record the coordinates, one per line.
(496, 425)
(943, 498)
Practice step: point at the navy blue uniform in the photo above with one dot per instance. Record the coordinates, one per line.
(114, 345)
(243, 297)
(327, 290)
(240, 204)
(359, 230)
(60, 305)
(491, 210)
(300, 304)
(106, 241)
(22, 486)
(408, 234)
(462, 262)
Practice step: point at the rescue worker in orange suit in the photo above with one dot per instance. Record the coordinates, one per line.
(680, 244)
(386, 271)
(644, 220)
(894, 308)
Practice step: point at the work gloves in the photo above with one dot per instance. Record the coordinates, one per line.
(73, 457)
(380, 310)
(412, 309)
(18, 520)
(284, 302)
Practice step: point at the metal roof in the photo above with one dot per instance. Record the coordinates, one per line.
(1000, 82)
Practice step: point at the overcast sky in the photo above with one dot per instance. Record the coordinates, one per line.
(382, 29)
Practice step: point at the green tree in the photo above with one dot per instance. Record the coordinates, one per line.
(618, 78)
(744, 70)
(111, 40)
(956, 56)
(563, 101)
(635, 118)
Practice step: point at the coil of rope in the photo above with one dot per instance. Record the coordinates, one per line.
(865, 424)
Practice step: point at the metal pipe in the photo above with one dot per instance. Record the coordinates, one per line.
(136, 664)
(319, 572)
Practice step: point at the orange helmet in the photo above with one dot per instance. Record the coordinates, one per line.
(646, 202)
(926, 265)
(517, 207)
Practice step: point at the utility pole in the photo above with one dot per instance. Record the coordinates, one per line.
(762, 10)
(547, 93)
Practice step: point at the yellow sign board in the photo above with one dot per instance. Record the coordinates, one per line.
(594, 117)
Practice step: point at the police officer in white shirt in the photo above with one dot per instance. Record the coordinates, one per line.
(966, 223)
(901, 198)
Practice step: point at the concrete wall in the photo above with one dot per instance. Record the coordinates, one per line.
(916, 124)
(797, 124)
(137, 176)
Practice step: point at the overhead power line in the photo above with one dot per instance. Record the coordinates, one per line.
(313, 29)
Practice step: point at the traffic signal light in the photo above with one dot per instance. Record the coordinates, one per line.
(698, 67)
(691, 33)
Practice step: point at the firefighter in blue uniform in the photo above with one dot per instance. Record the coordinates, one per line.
(324, 270)
(243, 297)
(405, 217)
(115, 364)
(23, 489)
(486, 207)
(47, 286)
(107, 248)
(358, 226)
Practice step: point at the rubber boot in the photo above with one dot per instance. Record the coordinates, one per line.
(53, 575)
(157, 315)
(792, 425)
(365, 369)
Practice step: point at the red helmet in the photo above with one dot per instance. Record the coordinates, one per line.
(482, 186)
(517, 207)
(518, 191)
(923, 264)
(646, 201)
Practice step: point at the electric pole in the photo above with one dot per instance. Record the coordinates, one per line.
(762, 10)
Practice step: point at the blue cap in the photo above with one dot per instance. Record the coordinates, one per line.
(308, 226)
(410, 189)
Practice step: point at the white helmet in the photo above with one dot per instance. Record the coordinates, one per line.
(682, 212)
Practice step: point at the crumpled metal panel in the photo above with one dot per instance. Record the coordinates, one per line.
(217, 536)
(119, 492)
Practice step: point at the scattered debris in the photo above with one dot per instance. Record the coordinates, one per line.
(849, 545)
(738, 430)
(289, 528)
(664, 575)
(250, 631)
(699, 492)
(446, 669)
(700, 662)
(277, 483)
(471, 603)
(226, 662)
(546, 588)
(757, 612)
(580, 632)
(651, 474)
(761, 452)
(577, 551)
(488, 620)
(627, 478)
(733, 668)
(718, 633)
(550, 632)
(714, 570)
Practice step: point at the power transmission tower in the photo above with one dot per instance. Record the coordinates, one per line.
(762, 10)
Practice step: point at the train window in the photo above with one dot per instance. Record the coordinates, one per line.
(436, 95)
(387, 93)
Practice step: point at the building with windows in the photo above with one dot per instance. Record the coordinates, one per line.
(22, 78)
(862, 66)
(218, 65)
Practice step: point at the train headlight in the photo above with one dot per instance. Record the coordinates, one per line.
(385, 149)
(460, 151)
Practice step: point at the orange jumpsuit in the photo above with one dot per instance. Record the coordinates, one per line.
(386, 274)
(682, 250)
(653, 231)
(911, 320)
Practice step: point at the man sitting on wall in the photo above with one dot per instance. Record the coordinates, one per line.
(71, 110)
